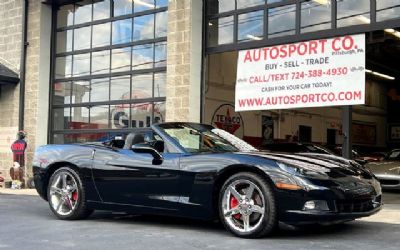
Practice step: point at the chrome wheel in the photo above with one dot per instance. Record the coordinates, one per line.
(243, 206)
(63, 193)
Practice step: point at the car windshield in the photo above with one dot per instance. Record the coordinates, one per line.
(198, 138)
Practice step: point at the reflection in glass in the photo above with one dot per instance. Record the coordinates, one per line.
(101, 35)
(220, 6)
(101, 10)
(315, 16)
(99, 116)
(161, 24)
(64, 41)
(120, 88)
(62, 93)
(79, 138)
(387, 9)
(65, 16)
(278, 1)
(101, 62)
(141, 5)
(79, 118)
(159, 112)
(141, 114)
(119, 116)
(142, 57)
(353, 12)
(122, 31)
(142, 86)
(241, 4)
(160, 54)
(121, 59)
(251, 26)
(80, 92)
(220, 31)
(99, 90)
(160, 82)
(83, 11)
(122, 7)
(82, 38)
(143, 27)
(281, 21)
(161, 3)
(63, 67)
(81, 64)
(61, 118)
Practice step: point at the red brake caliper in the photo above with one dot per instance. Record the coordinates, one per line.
(75, 196)
(234, 202)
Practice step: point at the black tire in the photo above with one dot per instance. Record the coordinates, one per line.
(80, 210)
(269, 222)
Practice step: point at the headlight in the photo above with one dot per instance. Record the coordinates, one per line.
(292, 178)
(302, 172)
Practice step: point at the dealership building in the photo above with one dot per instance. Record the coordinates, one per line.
(80, 71)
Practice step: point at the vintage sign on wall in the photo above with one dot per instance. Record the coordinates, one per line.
(326, 72)
(227, 119)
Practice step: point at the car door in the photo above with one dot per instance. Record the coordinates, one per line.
(130, 178)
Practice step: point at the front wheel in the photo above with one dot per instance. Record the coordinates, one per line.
(66, 195)
(247, 206)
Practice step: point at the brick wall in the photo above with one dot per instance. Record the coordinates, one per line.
(10, 54)
(37, 75)
(184, 60)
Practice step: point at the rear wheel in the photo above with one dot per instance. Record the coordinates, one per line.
(66, 195)
(247, 206)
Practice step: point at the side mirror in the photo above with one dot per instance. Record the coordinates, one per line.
(145, 149)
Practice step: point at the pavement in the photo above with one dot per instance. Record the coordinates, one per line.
(18, 191)
(26, 222)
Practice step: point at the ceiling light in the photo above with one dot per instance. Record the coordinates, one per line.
(210, 24)
(380, 74)
(390, 30)
(254, 37)
(383, 75)
(397, 34)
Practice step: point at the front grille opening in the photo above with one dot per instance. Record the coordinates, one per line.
(354, 206)
(389, 182)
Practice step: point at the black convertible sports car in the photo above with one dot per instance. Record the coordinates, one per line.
(194, 170)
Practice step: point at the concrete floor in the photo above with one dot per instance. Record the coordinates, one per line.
(27, 223)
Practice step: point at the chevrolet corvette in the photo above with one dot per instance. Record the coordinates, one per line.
(388, 170)
(197, 171)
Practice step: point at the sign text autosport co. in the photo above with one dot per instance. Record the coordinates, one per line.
(326, 72)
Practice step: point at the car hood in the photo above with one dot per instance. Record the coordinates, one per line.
(384, 167)
(333, 166)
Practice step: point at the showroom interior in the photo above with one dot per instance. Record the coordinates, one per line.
(231, 28)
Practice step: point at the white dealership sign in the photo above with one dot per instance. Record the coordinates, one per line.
(326, 72)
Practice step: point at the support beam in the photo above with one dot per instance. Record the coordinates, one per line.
(347, 118)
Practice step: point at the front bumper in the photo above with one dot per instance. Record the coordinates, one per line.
(342, 204)
(389, 181)
(300, 217)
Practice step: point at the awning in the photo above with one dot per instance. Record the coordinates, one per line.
(7, 76)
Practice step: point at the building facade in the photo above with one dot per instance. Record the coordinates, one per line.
(90, 70)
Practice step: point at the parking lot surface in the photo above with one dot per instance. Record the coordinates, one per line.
(27, 223)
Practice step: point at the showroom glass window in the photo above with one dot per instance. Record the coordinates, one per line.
(110, 68)
(233, 23)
